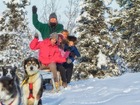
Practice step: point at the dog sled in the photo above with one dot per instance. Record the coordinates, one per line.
(48, 75)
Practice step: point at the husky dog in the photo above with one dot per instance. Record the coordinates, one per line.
(9, 71)
(32, 85)
(9, 93)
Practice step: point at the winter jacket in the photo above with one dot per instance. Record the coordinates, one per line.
(48, 53)
(45, 29)
(64, 53)
(73, 52)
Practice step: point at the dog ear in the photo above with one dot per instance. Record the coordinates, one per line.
(38, 62)
(24, 63)
(3, 67)
(15, 67)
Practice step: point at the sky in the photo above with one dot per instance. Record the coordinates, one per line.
(61, 4)
(121, 90)
(39, 6)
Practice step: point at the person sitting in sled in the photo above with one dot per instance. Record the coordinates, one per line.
(68, 65)
(64, 54)
(65, 34)
(49, 53)
(46, 28)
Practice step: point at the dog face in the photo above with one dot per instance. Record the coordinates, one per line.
(9, 71)
(7, 88)
(31, 65)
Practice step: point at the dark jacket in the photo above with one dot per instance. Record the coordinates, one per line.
(73, 52)
(45, 29)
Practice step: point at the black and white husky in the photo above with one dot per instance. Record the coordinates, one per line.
(9, 92)
(9, 71)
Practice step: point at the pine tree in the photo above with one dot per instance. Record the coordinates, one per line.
(127, 30)
(14, 33)
(94, 40)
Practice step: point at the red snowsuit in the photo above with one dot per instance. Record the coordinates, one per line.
(48, 53)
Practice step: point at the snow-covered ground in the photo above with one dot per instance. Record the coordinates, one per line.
(122, 90)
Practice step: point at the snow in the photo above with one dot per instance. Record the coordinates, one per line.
(122, 90)
(9, 33)
(102, 59)
(15, 1)
(82, 4)
(107, 2)
(1, 57)
(96, 38)
(86, 14)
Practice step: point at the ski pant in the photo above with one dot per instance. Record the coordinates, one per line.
(53, 69)
(62, 71)
(69, 70)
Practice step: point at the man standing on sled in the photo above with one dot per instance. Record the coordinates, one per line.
(46, 28)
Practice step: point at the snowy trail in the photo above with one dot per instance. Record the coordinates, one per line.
(123, 90)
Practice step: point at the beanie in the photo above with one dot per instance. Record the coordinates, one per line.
(60, 36)
(52, 15)
(54, 36)
(72, 38)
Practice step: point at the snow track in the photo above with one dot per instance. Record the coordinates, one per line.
(123, 90)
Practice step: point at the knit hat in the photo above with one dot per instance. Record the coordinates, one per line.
(54, 36)
(60, 36)
(72, 38)
(52, 15)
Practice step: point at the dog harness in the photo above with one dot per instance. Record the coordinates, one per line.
(26, 79)
(12, 102)
(31, 91)
(8, 104)
(30, 85)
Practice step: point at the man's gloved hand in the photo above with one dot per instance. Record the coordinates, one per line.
(34, 9)
(36, 35)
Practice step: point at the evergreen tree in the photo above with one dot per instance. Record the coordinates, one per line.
(94, 41)
(127, 30)
(14, 33)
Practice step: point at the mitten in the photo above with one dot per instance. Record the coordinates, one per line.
(34, 9)
(36, 35)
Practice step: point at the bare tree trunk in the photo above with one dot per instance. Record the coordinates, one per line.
(71, 12)
(48, 8)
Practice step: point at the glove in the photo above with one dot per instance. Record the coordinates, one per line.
(69, 61)
(36, 35)
(72, 54)
(34, 9)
